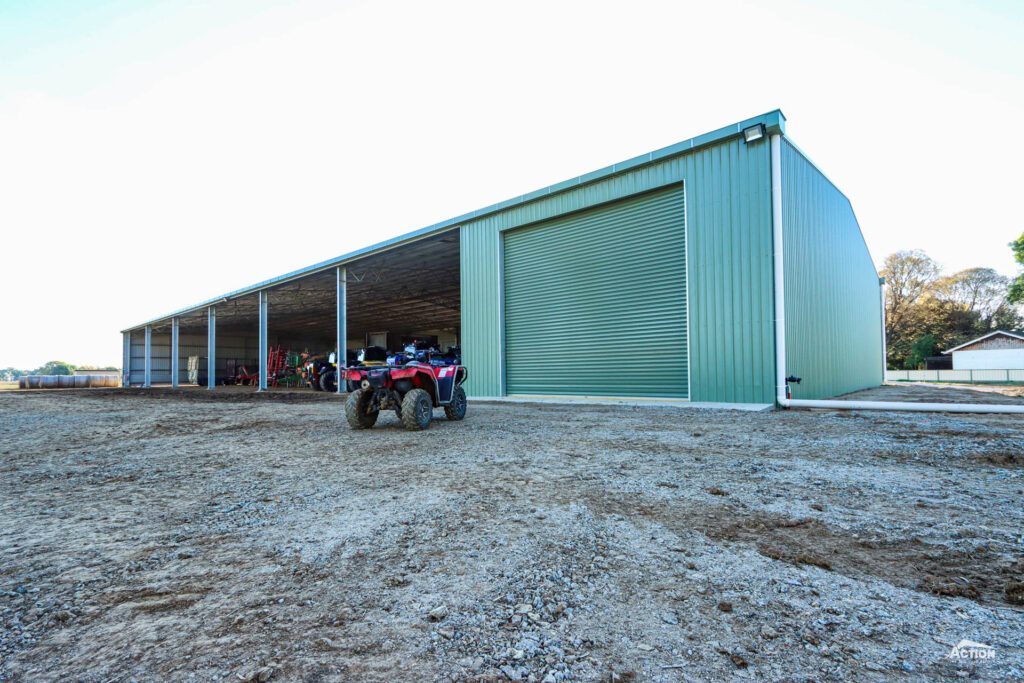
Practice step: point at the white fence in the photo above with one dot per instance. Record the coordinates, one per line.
(954, 375)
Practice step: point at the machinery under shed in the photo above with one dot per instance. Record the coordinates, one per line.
(693, 273)
(392, 294)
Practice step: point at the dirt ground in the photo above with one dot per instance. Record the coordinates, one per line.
(184, 536)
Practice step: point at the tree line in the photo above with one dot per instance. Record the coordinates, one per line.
(53, 367)
(928, 311)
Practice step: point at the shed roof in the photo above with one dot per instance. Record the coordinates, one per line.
(773, 121)
(984, 337)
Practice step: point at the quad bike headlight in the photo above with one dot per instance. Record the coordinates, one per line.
(365, 384)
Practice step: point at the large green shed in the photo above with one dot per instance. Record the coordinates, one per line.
(707, 271)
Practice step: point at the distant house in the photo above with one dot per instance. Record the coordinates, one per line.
(997, 350)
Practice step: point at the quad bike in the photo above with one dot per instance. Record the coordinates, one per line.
(371, 355)
(412, 391)
(314, 371)
(425, 352)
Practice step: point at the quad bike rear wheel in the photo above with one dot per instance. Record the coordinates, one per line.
(456, 410)
(417, 409)
(356, 406)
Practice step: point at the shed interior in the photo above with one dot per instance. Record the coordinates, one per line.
(392, 296)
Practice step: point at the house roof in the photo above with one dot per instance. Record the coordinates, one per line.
(984, 337)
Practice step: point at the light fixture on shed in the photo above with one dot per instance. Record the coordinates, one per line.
(754, 133)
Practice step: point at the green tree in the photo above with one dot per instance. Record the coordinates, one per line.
(950, 323)
(11, 374)
(1007, 318)
(976, 289)
(947, 323)
(1016, 294)
(922, 349)
(909, 276)
(55, 367)
(950, 309)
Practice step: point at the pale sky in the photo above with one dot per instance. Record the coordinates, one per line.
(157, 154)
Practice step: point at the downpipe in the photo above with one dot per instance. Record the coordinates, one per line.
(782, 394)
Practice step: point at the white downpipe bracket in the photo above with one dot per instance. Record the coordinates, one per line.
(781, 398)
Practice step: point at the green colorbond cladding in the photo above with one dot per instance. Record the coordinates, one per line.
(833, 310)
(728, 198)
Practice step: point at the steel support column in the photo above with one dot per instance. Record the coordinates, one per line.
(174, 352)
(148, 367)
(341, 330)
(263, 340)
(211, 347)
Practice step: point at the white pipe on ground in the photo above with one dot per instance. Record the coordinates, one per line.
(911, 407)
(780, 330)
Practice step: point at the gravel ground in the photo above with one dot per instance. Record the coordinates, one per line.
(179, 536)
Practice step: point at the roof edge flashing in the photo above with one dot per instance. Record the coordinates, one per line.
(775, 122)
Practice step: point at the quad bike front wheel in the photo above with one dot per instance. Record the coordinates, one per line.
(456, 410)
(356, 409)
(417, 409)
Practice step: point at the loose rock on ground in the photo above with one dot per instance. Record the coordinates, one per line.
(166, 536)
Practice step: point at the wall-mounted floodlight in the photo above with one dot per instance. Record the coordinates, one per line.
(754, 133)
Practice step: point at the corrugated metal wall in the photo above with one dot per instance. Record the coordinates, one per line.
(481, 293)
(137, 355)
(228, 346)
(728, 188)
(732, 339)
(833, 310)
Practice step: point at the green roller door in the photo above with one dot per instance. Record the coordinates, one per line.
(595, 302)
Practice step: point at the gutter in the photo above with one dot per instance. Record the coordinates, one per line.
(781, 386)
